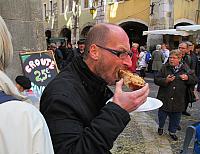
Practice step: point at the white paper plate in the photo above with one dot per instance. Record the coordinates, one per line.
(150, 104)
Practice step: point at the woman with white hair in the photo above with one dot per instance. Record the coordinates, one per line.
(23, 129)
(157, 59)
(141, 61)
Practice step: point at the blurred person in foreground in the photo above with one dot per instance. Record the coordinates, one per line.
(23, 128)
(173, 79)
(74, 103)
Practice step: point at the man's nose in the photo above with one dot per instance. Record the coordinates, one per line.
(127, 61)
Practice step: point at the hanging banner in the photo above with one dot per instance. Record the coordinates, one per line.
(40, 67)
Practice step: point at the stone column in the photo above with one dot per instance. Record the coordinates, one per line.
(25, 23)
(161, 17)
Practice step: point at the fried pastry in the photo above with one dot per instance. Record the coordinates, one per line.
(132, 81)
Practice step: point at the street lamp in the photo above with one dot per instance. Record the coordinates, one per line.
(92, 10)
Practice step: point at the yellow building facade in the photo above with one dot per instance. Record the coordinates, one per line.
(72, 19)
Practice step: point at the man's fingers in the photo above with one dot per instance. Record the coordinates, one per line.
(119, 85)
(143, 90)
(142, 94)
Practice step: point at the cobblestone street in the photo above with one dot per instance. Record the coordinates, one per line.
(140, 136)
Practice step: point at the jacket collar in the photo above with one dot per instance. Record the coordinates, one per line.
(86, 75)
(182, 67)
(95, 86)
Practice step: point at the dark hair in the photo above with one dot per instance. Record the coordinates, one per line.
(81, 41)
(97, 35)
(23, 81)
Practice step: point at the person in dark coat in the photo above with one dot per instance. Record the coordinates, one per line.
(69, 54)
(74, 103)
(197, 52)
(173, 79)
(81, 48)
(185, 47)
(58, 55)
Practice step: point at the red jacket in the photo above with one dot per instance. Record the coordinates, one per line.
(134, 59)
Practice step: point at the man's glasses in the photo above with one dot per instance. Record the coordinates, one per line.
(173, 57)
(182, 48)
(120, 54)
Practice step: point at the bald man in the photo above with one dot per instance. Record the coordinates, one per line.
(74, 103)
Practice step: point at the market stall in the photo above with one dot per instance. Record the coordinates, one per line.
(166, 32)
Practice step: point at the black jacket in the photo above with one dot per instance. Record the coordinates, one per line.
(73, 105)
(173, 94)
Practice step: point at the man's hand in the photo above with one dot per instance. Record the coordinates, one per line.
(184, 76)
(130, 101)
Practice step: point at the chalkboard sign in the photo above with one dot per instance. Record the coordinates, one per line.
(40, 67)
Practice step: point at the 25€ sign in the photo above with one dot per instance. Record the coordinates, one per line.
(40, 67)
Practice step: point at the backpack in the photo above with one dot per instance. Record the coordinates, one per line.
(197, 140)
(147, 57)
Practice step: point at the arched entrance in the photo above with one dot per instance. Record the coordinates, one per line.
(85, 31)
(182, 24)
(66, 33)
(134, 31)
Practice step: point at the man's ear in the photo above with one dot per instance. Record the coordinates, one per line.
(94, 53)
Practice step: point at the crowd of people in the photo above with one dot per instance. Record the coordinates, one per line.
(64, 52)
(75, 115)
(74, 103)
(176, 72)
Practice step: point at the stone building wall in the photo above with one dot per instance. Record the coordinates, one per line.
(25, 23)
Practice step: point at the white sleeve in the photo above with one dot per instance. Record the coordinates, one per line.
(167, 53)
(41, 137)
(23, 130)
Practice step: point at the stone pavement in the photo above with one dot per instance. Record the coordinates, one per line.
(140, 136)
